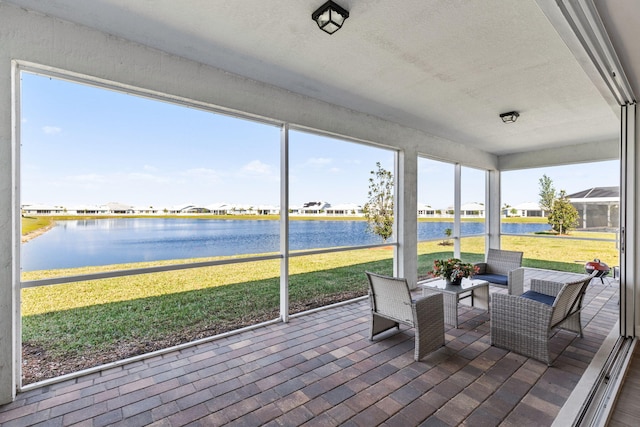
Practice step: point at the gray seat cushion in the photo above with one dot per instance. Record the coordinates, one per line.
(537, 296)
(497, 279)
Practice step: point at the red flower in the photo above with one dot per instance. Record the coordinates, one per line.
(452, 268)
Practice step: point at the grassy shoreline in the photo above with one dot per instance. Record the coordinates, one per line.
(31, 224)
(73, 326)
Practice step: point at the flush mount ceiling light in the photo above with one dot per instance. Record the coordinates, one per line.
(510, 117)
(330, 17)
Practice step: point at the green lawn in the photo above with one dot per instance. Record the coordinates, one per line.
(31, 223)
(135, 314)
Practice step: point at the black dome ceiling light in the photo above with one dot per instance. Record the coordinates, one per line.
(330, 17)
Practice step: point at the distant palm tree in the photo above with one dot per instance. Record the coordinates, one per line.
(447, 232)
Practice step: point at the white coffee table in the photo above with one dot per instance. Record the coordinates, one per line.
(471, 292)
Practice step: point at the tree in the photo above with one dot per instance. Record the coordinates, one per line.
(563, 216)
(547, 193)
(378, 211)
(447, 232)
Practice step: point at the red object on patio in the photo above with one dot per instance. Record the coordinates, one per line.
(596, 265)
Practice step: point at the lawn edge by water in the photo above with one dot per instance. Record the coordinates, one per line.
(69, 333)
(33, 223)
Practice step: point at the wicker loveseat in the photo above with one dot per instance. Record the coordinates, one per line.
(499, 268)
(391, 305)
(523, 323)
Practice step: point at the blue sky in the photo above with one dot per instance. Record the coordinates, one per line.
(85, 145)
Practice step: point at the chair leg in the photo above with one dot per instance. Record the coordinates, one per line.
(381, 324)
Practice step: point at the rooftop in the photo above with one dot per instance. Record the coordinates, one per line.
(597, 192)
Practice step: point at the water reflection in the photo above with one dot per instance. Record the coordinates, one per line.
(89, 242)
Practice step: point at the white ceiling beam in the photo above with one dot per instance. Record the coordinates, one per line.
(566, 155)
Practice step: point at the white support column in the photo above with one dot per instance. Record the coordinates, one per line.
(406, 217)
(457, 189)
(493, 206)
(284, 223)
(9, 281)
(629, 222)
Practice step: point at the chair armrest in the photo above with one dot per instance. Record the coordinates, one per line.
(429, 316)
(430, 303)
(428, 313)
(546, 287)
(515, 281)
(482, 266)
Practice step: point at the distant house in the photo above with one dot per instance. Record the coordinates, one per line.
(468, 210)
(267, 210)
(347, 209)
(119, 209)
(526, 210)
(88, 210)
(195, 210)
(472, 210)
(241, 209)
(42, 210)
(598, 207)
(313, 208)
(219, 208)
(188, 209)
(426, 210)
(145, 210)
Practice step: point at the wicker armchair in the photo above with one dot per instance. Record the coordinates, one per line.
(391, 305)
(524, 323)
(499, 269)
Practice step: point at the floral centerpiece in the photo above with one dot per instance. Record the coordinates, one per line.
(452, 270)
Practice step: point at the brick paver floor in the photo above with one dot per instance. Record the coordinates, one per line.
(320, 369)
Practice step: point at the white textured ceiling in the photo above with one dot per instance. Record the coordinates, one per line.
(445, 67)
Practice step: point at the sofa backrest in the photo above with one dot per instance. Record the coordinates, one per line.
(502, 262)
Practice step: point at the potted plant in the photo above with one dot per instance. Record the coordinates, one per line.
(452, 270)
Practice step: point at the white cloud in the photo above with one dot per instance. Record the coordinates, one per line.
(87, 178)
(83, 181)
(256, 167)
(202, 174)
(150, 168)
(146, 177)
(51, 130)
(319, 161)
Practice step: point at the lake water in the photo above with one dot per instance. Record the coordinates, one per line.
(121, 240)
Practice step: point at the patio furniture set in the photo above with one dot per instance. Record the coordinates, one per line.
(520, 321)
